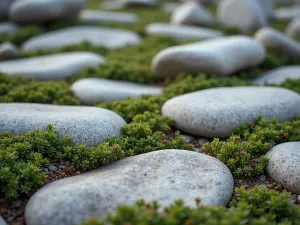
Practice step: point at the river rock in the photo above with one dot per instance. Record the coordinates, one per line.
(246, 15)
(276, 41)
(7, 28)
(51, 67)
(89, 90)
(169, 7)
(267, 6)
(216, 112)
(133, 3)
(97, 16)
(293, 28)
(279, 75)
(192, 13)
(283, 165)
(221, 56)
(108, 37)
(164, 176)
(35, 11)
(86, 125)
(8, 51)
(182, 32)
(2, 221)
(4, 7)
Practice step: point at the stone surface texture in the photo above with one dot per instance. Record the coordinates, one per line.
(283, 165)
(97, 16)
(108, 37)
(89, 90)
(8, 51)
(86, 125)
(216, 112)
(51, 67)
(221, 56)
(164, 175)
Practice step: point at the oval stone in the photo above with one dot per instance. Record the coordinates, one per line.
(283, 165)
(221, 56)
(107, 37)
(51, 67)
(86, 125)
(165, 175)
(89, 90)
(216, 112)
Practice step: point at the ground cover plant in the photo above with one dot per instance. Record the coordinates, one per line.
(23, 158)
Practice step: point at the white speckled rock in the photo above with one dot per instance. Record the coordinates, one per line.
(246, 15)
(164, 175)
(182, 32)
(293, 28)
(221, 56)
(4, 7)
(37, 11)
(97, 16)
(8, 50)
(279, 75)
(89, 90)
(86, 125)
(192, 13)
(274, 40)
(131, 3)
(283, 165)
(287, 13)
(216, 112)
(7, 28)
(51, 67)
(108, 37)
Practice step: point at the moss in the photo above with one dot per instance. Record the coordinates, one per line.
(253, 207)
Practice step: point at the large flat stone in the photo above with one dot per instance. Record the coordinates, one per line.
(283, 165)
(160, 175)
(279, 75)
(90, 90)
(221, 56)
(216, 112)
(108, 37)
(87, 125)
(182, 32)
(97, 16)
(51, 67)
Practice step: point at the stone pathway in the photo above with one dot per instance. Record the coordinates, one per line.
(161, 175)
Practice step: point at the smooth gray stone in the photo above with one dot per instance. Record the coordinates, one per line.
(245, 15)
(7, 28)
(287, 13)
(192, 13)
(37, 11)
(90, 90)
(165, 176)
(283, 165)
(86, 125)
(97, 16)
(279, 75)
(220, 56)
(276, 41)
(108, 37)
(8, 51)
(267, 6)
(51, 67)
(293, 28)
(216, 112)
(182, 32)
